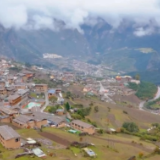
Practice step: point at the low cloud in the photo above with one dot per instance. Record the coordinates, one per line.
(39, 14)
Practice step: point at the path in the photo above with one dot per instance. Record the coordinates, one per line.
(46, 102)
(141, 105)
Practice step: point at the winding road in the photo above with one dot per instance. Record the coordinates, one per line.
(141, 105)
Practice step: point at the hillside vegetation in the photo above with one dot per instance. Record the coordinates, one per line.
(145, 90)
(154, 104)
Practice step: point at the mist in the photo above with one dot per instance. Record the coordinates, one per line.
(44, 14)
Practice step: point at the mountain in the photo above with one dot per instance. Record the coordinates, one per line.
(100, 43)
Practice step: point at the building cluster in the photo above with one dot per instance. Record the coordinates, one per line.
(109, 87)
(22, 105)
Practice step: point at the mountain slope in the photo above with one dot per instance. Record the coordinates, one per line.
(118, 48)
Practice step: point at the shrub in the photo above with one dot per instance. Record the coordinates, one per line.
(130, 126)
(140, 155)
(100, 131)
(125, 112)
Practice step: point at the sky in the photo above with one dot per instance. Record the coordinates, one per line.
(40, 14)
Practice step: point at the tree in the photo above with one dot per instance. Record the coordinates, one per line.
(67, 106)
(137, 77)
(130, 126)
(53, 109)
(96, 109)
(68, 94)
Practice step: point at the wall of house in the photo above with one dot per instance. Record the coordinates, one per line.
(15, 101)
(19, 125)
(39, 124)
(31, 124)
(60, 113)
(90, 130)
(41, 88)
(10, 144)
(5, 120)
(21, 87)
(61, 125)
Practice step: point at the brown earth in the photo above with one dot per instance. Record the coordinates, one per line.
(55, 138)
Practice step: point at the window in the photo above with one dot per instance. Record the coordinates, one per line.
(17, 139)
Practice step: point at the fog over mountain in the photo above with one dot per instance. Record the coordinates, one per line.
(38, 14)
(124, 34)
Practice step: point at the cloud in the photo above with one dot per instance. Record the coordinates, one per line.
(144, 31)
(38, 14)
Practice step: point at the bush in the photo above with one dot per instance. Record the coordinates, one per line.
(96, 109)
(84, 112)
(125, 112)
(100, 131)
(140, 155)
(76, 116)
(130, 126)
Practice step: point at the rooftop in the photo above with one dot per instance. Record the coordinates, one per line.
(8, 132)
(81, 123)
(51, 91)
(12, 97)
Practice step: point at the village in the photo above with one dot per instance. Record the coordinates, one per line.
(33, 106)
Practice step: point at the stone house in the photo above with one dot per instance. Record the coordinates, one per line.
(41, 87)
(9, 138)
(82, 126)
(14, 99)
(24, 121)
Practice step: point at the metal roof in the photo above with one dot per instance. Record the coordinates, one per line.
(8, 133)
(81, 123)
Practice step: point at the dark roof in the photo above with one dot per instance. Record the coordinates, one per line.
(7, 111)
(12, 97)
(81, 123)
(22, 91)
(55, 119)
(23, 119)
(8, 133)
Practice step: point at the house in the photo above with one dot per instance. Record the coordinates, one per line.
(82, 126)
(14, 99)
(53, 120)
(3, 91)
(9, 138)
(24, 121)
(60, 112)
(2, 83)
(135, 81)
(23, 93)
(60, 100)
(10, 90)
(28, 74)
(51, 93)
(41, 87)
(6, 111)
(10, 79)
(20, 86)
(5, 119)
